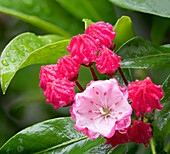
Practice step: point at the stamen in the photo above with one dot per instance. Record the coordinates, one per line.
(97, 116)
(106, 119)
(101, 110)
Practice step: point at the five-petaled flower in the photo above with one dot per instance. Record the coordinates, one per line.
(101, 109)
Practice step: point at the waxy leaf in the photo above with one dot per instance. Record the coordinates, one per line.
(162, 118)
(52, 136)
(142, 54)
(27, 49)
(48, 15)
(97, 10)
(156, 7)
(124, 31)
(158, 22)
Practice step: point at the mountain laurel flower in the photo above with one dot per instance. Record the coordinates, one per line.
(83, 48)
(68, 68)
(101, 109)
(145, 96)
(60, 92)
(48, 73)
(140, 132)
(102, 31)
(107, 61)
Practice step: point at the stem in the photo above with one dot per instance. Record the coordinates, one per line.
(123, 76)
(93, 73)
(142, 116)
(152, 146)
(79, 85)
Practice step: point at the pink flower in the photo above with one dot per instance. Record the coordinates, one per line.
(68, 67)
(101, 109)
(140, 132)
(48, 73)
(145, 96)
(102, 31)
(60, 92)
(83, 48)
(107, 61)
(118, 138)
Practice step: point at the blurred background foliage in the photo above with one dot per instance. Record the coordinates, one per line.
(24, 102)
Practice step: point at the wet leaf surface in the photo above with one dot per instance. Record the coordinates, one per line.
(56, 135)
(142, 54)
(156, 7)
(27, 49)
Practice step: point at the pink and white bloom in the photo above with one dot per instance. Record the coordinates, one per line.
(101, 109)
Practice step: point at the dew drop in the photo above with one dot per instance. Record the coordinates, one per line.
(1, 68)
(7, 68)
(12, 60)
(20, 59)
(7, 53)
(4, 62)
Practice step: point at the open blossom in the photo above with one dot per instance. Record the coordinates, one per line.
(68, 67)
(107, 61)
(48, 73)
(60, 92)
(101, 109)
(102, 31)
(145, 96)
(83, 48)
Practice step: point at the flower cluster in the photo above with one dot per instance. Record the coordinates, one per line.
(103, 108)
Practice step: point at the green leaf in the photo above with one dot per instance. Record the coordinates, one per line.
(82, 146)
(100, 149)
(48, 15)
(124, 31)
(27, 49)
(52, 136)
(142, 54)
(159, 28)
(162, 118)
(156, 7)
(93, 9)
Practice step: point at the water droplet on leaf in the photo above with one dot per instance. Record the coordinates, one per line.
(7, 68)
(12, 60)
(4, 62)
(7, 53)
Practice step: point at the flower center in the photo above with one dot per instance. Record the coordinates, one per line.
(104, 112)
